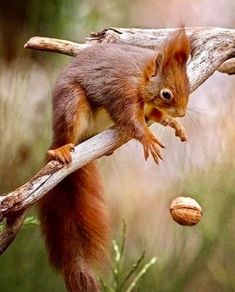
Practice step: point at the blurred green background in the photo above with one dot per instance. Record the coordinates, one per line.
(201, 258)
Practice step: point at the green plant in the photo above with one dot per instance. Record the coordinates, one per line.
(125, 280)
(28, 222)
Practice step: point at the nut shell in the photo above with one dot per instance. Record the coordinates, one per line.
(185, 211)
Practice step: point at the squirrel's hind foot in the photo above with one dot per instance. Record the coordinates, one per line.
(62, 154)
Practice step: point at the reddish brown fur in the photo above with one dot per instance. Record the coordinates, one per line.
(120, 79)
(75, 224)
(177, 48)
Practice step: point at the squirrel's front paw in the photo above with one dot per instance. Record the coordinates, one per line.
(179, 129)
(151, 145)
(62, 154)
(181, 133)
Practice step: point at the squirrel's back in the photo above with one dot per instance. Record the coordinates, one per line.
(105, 69)
(112, 59)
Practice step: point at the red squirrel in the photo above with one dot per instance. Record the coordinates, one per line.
(106, 84)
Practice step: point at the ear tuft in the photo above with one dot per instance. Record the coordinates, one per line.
(177, 48)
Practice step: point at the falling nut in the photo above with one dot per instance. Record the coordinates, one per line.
(186, 211)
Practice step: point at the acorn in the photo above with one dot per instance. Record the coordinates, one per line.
(185, 211)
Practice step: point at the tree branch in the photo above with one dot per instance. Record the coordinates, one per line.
(228, 67)
(152, 38)
(210, 48)
(11, 228)
(54, 45)
(52, 173)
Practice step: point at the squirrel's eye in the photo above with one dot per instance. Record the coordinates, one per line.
(166, 94)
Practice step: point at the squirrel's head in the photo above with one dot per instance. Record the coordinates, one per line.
(169, 86)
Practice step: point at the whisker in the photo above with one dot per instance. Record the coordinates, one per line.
(202, 112)
(200, 115)
(201, 109)
(197, 112)
(194, 122)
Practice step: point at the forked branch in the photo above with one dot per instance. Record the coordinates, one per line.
(211, 47)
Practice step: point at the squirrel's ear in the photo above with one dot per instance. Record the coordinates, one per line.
(177, 48)
(154, 66)
(158, 62)
(182, 47)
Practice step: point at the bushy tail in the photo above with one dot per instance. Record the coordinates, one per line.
(75, 224)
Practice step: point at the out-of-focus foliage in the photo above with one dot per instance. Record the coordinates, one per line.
(200, 258)
(69, 19)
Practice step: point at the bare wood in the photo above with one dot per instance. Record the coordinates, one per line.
(210, 48)
(54, 45)
(215, 43)
(228, 67)
(10, 230)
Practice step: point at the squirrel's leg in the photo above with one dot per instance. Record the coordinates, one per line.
(165, 120)
(69, 127)
(130, 121)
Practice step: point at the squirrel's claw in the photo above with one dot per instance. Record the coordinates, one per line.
(151, 145)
